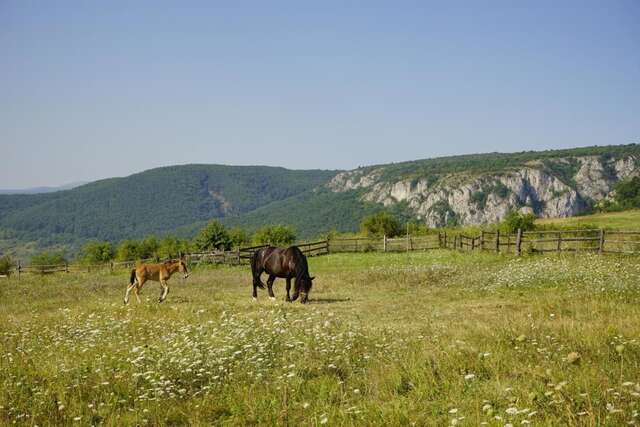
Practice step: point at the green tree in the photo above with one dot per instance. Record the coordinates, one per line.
(213, 236)
(417, 228)
(96, 252)
(128, 250)
(381, 223)
(239, 237)
(173, 247)
(149, 248)
(515, 220)
(276, 235)
(6, 264)
(627, 194)
(44, 259)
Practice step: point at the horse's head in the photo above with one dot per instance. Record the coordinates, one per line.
(182, 268)
(305, 287)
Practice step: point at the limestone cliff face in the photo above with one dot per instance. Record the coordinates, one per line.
(486, 198)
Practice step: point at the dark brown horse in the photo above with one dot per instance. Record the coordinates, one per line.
(286, 264)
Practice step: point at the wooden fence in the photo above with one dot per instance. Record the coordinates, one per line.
(582, 240)
(235, 257)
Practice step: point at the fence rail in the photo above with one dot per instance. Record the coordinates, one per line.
(235, 257)
(542, 241)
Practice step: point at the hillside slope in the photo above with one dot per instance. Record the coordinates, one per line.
(479, 189)
(470, 189)
(156, 201)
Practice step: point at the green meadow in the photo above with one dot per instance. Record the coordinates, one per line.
(425, 338)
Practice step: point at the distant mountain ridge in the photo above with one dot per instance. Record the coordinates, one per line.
(470, 189)
(39, 190)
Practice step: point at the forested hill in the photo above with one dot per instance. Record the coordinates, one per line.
(155, 201)
(469, 189)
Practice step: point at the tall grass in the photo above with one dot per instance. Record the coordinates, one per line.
(436, 338)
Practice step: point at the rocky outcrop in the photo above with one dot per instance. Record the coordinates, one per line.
(461, 198)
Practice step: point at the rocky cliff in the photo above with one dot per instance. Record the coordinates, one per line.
(558, 187)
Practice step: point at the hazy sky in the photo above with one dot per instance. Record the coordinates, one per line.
(94, 89)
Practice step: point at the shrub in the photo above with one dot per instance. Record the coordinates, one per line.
(45, 259)
(381, 223)
(95, 252)
(128, 250)
(239, 237)
(515, 220)
(417, 228)
(627, 194)
(172, 247)
(6, 264)
(213, 236)
(277, 235)
(479, 198)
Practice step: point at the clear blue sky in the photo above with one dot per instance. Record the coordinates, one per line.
(94, 89)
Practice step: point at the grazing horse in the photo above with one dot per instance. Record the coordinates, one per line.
(158, 272)
(286, 264)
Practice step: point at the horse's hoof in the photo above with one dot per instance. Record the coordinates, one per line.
(254, 299)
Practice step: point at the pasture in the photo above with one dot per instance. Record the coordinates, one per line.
(424, 338)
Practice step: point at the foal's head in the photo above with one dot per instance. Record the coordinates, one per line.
(182, 267)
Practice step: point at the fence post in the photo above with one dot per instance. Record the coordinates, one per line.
(455, 242)
(409, 242)
(601, 245)
(66, 267)
(482, 240)
(559, 242)
(111, 266)
(444, 238)
(384, 243)
(473, 243)
(497, 241)
(19, 269)
(519, 242)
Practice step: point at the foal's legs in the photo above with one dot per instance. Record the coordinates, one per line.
(288, 289)
(129, 289)
(270, 281)
(138, 288)
(164, 290)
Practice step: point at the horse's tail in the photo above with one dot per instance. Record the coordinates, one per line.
(255, 269)
(132, 279)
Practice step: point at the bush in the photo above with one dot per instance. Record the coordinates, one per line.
(381, 223)
(239, 237)
(6, 265)
(417, 228)
(97, 252)
(46, 259)
(213, 236)
(172, 247)
(128, 250)
(627, 194)
(276, 235)
(515, 220)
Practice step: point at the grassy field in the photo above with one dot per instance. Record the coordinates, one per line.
(625, 220)
(436, 338)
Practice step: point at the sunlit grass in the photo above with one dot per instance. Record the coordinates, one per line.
(436, 338)
(626, 220)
